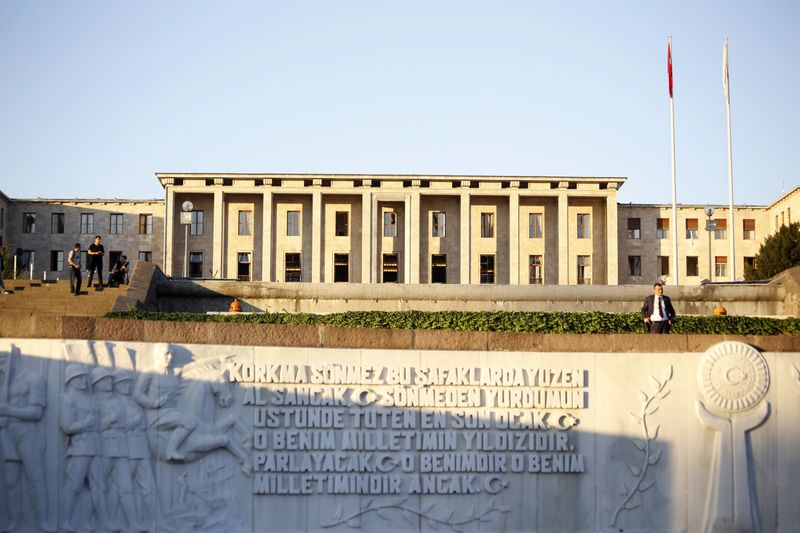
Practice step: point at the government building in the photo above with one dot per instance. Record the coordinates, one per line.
(412, 229)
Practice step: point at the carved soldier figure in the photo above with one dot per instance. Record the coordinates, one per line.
(114, 448)
(157, 391)
(80, 421)
(23, 398)
(134, 423)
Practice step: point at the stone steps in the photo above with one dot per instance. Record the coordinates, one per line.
(54, 298)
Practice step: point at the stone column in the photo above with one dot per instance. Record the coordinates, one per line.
(377, 231)
(563, 237)
(513, 238)
(218, 253)
(366, 238)
(612, 253)
(407, 252)
(316, 237)
(169, 232)
(413, 253)
(266, 238)
(465, 230)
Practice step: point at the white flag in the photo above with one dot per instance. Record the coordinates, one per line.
(725, 71)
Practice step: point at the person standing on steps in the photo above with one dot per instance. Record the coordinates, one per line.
(96, 253)
(74, 263)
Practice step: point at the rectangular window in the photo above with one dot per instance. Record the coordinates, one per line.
(487, 227)
(691, 228)
(487, 268)
(535, 270)
(342, 223)
(634, 228)
(437, 224)
(196, 264)
(722, 229)
(146, 257)
(341, 268)
(243, 266)
(789, 215)
(389, 224)
(293, 223)
(116, 224)
(56, 260)
(663, 265)
(29, 223)
(749, 229)
(438, 268)
(691, 266)
(27, 259)
(583, 226)
(87, 223)
(535, 226)
(145, 224)
(113, 257)
(662, 228)
(198, 223)
(584, 270)
(721, 266)
(749, 263)
(635, 265)
(390, 268)
(245, 222)
(293, 271)
(57, 223)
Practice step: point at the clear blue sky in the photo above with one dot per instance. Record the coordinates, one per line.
(97, 96)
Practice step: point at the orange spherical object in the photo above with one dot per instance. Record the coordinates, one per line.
(719, 310)
(235, 307)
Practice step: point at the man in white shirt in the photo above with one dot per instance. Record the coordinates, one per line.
(657, 311)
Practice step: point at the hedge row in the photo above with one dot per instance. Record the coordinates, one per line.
(591, 322)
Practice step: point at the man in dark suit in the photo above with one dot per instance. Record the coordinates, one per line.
(657, 311)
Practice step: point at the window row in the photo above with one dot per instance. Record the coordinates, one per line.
(718, 226)
(692, 269)
(87, 225)
(58, 259)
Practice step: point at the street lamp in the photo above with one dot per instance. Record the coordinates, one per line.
(186, 220)
(711, 225)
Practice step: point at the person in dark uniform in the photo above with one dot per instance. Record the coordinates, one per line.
(96, 253)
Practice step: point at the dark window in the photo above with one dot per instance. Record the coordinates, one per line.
(390, 268)
(662, 228)
(691, 266)
(438, 268)
(487, 226)
(635, 265)
(535, 226)
(583, 226)
(57, 223)
(663, 265)
(27, 259)
(243, 266)
(721, 266)
(56, 260)
(749, 263)
(749, 229)
(584, 270)
(87, 223)
(437, 224)
(341, 268)
(292, 267)
(198, 221)
(721, 231)
(116, 224)
(146, 256)
(691, 228)
(389, 224)
(634, 228)
(342, 222)
(535, 270)
(29, 223)
(113, 257)
(487, 269)
(145, 224)
(196, 264)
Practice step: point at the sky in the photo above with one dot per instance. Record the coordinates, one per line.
(97, 96)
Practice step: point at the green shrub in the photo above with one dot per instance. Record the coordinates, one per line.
(592, 322)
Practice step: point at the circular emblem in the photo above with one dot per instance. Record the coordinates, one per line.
(733, 377)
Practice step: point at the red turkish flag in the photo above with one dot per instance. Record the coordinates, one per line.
(669, 66)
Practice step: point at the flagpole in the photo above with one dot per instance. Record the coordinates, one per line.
(731, 223)
(674, 180)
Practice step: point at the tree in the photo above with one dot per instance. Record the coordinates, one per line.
(8, 263)
(780, 251)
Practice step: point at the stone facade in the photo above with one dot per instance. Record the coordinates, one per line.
(405, 229)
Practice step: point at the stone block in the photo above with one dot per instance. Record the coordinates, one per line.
(450, 340)
(514, 342)
(778, 343)
(178, 332)
(388, 339)
(119, 329)
(77, 327)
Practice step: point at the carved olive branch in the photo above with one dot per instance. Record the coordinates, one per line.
(410, 514)
(651, 455)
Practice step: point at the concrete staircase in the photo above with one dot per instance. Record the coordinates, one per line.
(53, 298)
